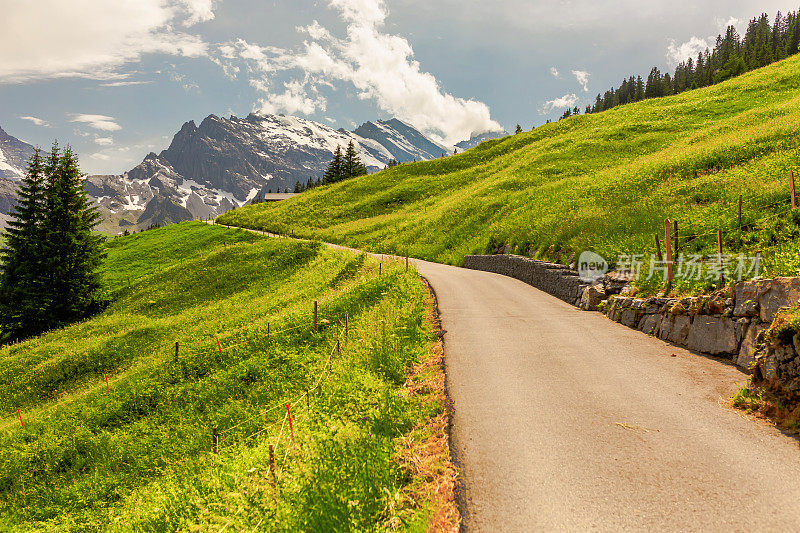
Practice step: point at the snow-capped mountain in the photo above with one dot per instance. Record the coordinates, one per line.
(405, 143)
(478, 138)
(226, 162)
(14, 155)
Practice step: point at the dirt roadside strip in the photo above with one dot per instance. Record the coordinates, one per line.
(565, 420)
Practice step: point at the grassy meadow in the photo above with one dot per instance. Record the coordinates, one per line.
(137, 455)
(603, 182)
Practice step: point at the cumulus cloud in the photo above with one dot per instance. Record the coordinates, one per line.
(583, 78)
(94, 38)
(379, 65)
(37, 121)
(104, 141)
(566, 101)
(198, 11)
(554, 72)
(676, 53)
(98, 122)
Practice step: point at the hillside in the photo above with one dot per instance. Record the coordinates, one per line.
(136, 454)
(604, 182)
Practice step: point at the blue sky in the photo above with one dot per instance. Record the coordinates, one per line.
(116, 80)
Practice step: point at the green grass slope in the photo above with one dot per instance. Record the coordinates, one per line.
(137, 456)
(603, 182)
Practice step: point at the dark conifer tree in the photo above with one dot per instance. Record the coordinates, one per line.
(22, 297)
(335, 171)
(50, 265)
(352, 167)
(72, 254)
(519, 129)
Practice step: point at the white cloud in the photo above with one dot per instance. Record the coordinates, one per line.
(124, 83)
(566, 101)
(100, 156)
(722, 24)
(198, 10)
(583, 78)
(676, 53)
(98, 122)
(554, 72)
(37, 121)
(104, 141)
(380, 66)
(93, 38)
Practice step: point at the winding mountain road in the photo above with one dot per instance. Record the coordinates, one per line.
(565, 420)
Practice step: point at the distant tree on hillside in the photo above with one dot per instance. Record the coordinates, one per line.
(519, 129)
(353, 167)
(335, 169)
(49, 277)
(344, 166)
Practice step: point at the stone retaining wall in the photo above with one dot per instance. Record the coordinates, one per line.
(735, 325)
(551, 278)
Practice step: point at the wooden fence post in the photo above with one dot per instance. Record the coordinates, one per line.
(675, 236)
(406, 259)
(214, 440)
(668, 248)
(346, 314)
(739, 218)
(272, 465)
(719, 255)
(316, 310)
(177, 347)
(791, 187)
(658, 249)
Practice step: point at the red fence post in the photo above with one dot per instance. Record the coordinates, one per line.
(219, 346)
(291, 428)
(20, 419)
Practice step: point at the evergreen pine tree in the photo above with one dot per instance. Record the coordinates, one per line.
(335, 170)
(519, 129)
(22, 297)
(353, 167)
(71, 253)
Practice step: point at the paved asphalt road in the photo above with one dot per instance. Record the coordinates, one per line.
(567, 421)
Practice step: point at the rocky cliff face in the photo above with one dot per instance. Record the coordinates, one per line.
(405, 143)
(226, 162)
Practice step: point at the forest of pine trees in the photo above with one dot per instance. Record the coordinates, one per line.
(765, 42)
(49, 263)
